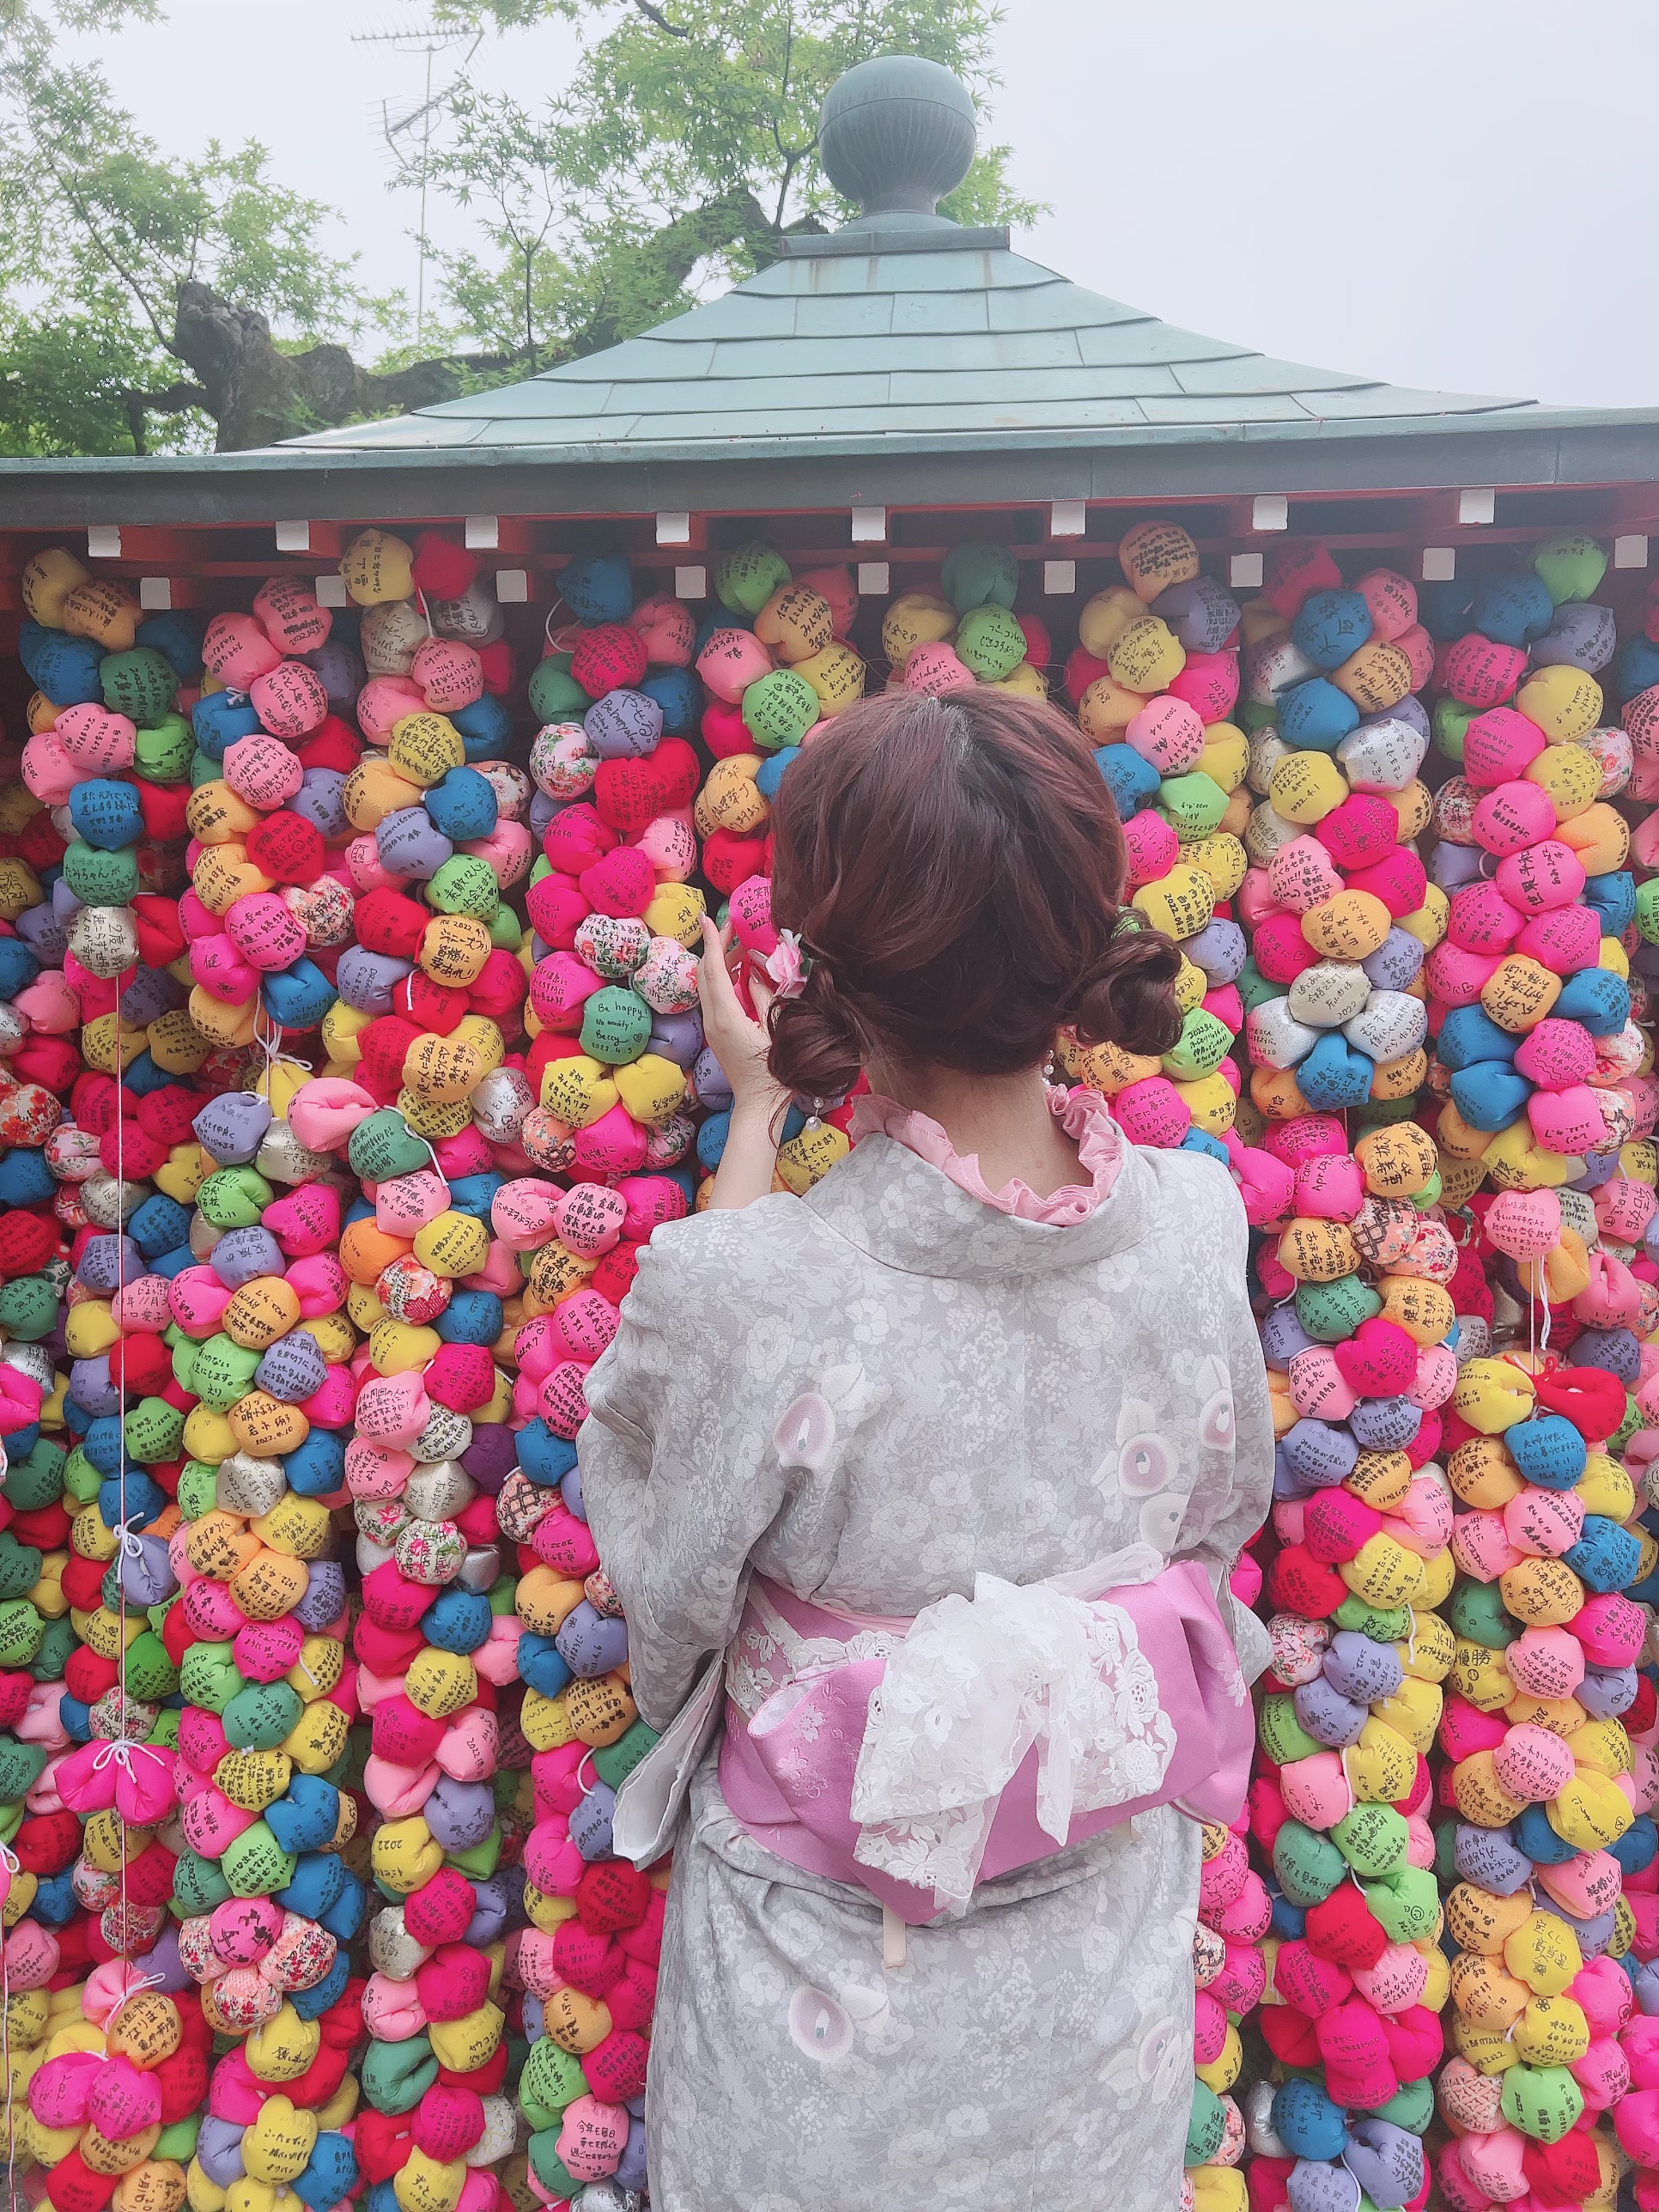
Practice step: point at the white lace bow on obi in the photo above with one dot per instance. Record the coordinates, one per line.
(975, 1684)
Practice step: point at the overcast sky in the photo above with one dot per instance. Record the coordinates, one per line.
(1455, 194)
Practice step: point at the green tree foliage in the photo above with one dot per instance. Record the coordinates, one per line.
(151, 303)
(102, 232)
(684, 146)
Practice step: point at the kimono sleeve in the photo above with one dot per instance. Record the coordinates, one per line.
(1234, 1492)
(677, 1481)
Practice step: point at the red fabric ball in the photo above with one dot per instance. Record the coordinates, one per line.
(27, 1242)
(441, 568)
(390, 923)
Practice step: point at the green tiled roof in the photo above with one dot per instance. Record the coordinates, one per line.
(957, 344)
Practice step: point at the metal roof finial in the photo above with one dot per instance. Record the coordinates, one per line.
(895, 134)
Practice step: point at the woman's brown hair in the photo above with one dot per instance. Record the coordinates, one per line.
(953, 868)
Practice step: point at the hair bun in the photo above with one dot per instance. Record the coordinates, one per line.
(817, 1049)
(1128, 1000)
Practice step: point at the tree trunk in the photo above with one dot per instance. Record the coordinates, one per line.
(258, 396)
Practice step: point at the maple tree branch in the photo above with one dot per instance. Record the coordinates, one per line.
(656, 16)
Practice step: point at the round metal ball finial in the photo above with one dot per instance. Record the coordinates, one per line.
(896, 133)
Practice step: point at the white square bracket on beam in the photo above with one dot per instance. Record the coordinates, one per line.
(1244, 571)
(1270, 510)
(691, 583)
(155, 594)
(103, 541)
(874, 580)
(331, 590)
(483, 533)
(292, 537)
(869, 525)
(513, 588)
(1477, 508)
(673, 528)
(1439, 564)
(1068, 518)
(1629, 552)
(1058, 578)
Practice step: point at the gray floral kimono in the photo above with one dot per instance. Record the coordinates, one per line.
(987, 1393)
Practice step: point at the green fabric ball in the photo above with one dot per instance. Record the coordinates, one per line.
(255, 1864)
(779, 710)
(1283, 1736)
(976, 575)
(465, 884)
(478, 1860)
(37, 1479)
(151, 1673)
(555, 694)
(197, 1884)
(100, 878)
(1543, 2101)
(20, 1566)
(1475, 1610)
(1192, 804)
(57, 1646)
(222, 1372)
(1450, 723)
(178, 2142)
(1331, 1312)
(184, 1364)
(1203, 1044)
(618, 1759)
(745, 579)
(1206, 2131)
(550, 2170)
(140, 683)
(397, 2075)
(1407, 1902)
(234, 1198)
(552, 2079)
(1411, 2107)
(1383, 1624)
(260, 1715)
(198, 1489)
(154, 1431)
(28, 1309)
(20, 1770)
(506, 930)
(990, 641)
(383, 1146)
(208, 1675)
(1307, 1866)
(1372, 1839)
(1570, 565)
(166, 753)
(22, 1633)
(616, 1025)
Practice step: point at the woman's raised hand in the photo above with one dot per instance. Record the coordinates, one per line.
(738, 1043)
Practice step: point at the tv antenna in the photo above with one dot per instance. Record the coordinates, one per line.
(428, 40)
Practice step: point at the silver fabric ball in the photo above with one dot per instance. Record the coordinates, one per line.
(110, 1203)
(282, 1158)
(250, 1486)
(391, 1948)
(481, 1569)
(500, 1101)
(440, 1492)
(448, 1435)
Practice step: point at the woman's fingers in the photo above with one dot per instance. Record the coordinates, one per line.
(714, 985)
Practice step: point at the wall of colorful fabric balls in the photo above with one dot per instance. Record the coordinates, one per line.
(351, 1052)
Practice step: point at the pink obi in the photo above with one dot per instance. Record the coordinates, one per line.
(920, 1758)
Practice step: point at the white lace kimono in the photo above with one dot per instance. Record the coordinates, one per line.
(981, 1393)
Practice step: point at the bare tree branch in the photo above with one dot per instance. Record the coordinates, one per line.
(674, 30)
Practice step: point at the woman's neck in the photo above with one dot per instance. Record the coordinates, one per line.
(1003, 1120)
